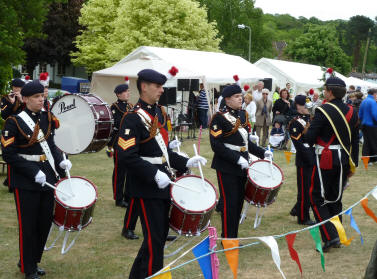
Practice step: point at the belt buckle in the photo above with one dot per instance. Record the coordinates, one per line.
(42, 158)
(163, 159)
(243, 149)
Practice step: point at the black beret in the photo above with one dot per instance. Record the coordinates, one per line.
(300, 100)
(335, 81)
(31, 88)
(17, 82)
(121, 88)
(151, 76)
(231, 90)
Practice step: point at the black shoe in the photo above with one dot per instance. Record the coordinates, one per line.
(40, 271)
(306, 222)
(5, 183)
(121, 203)
(334, 243)
(293, 211)
(171, 237)
(32, 276)
(129, 234)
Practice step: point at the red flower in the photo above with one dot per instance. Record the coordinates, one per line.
(246, 87)
(329, 70)
(173, 71)
(27, 77)
(236, 78)
(311, 91)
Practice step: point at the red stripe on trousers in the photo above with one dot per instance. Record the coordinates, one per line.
(20, 228)
(224, 209)
(129, 213)
(149, 238)
(115, 174)
(314, 206)
(302, 194)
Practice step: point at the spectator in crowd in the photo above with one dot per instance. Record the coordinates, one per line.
(315, 100)
(356, 102)
(290, 90)
(257, 94)
(202, 106)
(368, 119)
(276, 95)
(250, 108)
(282, 105)
(263, 116)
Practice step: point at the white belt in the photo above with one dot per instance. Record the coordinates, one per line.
(236, 147)
(34, 158)
(155, 160)
(319, 148)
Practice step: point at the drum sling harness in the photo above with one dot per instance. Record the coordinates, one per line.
(242, 132)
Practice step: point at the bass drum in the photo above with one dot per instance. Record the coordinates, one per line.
(86, 123)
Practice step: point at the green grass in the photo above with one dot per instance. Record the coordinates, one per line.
(101, 252)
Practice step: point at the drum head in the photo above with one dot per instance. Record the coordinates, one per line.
(77, 124)
(85, 193)
(264, 175)
(200, 201)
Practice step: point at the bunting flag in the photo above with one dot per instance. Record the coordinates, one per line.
(318, 244)
(271, 242)
(288, 155)
(290, 238)
(166, 275)
(353, 224)
(232, 255)
(205, 263)
(364, 203)
(342, 233)
(365, 161)
(215, 263)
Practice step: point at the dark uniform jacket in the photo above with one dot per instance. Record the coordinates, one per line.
(15, 134)
(8, 109)
(305, 156)
(118, 109)
(134, 141)
(225, 159)
(320, 128)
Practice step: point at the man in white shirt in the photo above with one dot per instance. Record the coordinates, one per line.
(257, 94)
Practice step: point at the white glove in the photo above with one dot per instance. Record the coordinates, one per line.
(194, 161)
(243, 162)
(174, 144)
(254, 138)
(162, 179)
(65, 164)
(40, 178)
(268, 155)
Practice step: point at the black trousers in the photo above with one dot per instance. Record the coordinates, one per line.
(35, 213)
(302, 205)
(119, 180)
(232, 189)
(370, 142)
(323, 212)
(132, 212)
(154, 217)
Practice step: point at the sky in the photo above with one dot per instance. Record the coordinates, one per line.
(322, 9)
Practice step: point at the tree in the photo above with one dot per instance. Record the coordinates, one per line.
(319, 46)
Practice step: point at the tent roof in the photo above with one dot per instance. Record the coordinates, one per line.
(214, 67)
(304, 75)
(359, 82)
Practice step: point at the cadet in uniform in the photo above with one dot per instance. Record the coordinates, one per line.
(142, 148)
(44, 79)
(231, 141)
(334, 132)
(29, 149)
(305, 161)
(12, 103)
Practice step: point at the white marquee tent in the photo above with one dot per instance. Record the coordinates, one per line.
(301, 76)
(212, 68)
(365, 85)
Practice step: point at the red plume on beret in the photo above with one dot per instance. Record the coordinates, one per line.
(236, 78)
(43, 76)
(126, 80)
(246, 87)
(329, 70)
(27, 77)
(311, 91)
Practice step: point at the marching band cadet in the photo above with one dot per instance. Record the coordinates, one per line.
(29, 149)
(334, 132)
(231, 141)
(142, 148)
(305, 161)
(44, 79)
(12, 103)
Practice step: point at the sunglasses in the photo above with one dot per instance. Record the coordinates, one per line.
(264, 93)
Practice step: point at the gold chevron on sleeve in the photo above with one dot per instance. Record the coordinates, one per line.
(7, 142)
(125, 144)
(216, 134)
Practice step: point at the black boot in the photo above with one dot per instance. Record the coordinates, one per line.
(129, 234)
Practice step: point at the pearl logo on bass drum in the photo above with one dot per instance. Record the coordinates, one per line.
(63, 108)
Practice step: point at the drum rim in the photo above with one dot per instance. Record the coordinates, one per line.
(74, 207)
(261, 187)
(194, 211)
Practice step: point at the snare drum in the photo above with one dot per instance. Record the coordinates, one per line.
(86, 123)
(74, 213)
(263, 183)
(191, 211)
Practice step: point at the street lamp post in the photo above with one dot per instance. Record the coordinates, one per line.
(243, 26)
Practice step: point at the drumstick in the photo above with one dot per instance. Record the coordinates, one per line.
(56, 189)
(178, 148)
(69, 177)
(200, 169)
(185, 187)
